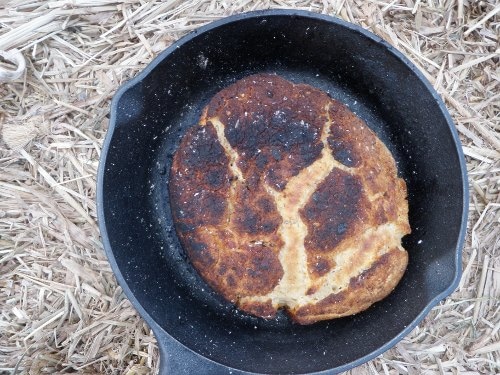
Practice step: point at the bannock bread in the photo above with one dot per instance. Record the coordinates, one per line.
(283, 198)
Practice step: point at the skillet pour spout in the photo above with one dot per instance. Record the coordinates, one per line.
(198, 332)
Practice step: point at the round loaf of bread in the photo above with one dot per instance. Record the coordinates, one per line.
(283, 198)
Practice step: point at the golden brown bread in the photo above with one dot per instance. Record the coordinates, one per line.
(283, 198)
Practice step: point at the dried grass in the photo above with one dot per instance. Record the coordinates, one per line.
(61, 310)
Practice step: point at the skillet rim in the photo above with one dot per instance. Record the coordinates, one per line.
(291, 13)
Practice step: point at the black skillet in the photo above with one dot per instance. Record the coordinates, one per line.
(197, 331)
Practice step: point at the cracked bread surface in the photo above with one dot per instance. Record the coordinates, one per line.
(284, 198)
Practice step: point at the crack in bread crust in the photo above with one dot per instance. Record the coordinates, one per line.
(310, 214)
(233, 165)
(293, 257)
(230, 152)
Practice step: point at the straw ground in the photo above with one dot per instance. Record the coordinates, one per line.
(62, 60)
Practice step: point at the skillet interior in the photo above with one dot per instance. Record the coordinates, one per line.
(150, 115)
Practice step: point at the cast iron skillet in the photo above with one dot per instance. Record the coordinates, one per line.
(198, 332)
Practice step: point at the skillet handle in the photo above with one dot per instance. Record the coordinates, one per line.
(176, 359)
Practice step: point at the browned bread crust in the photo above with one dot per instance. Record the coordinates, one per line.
(283, 198)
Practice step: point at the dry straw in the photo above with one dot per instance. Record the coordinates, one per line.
(61, 310)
